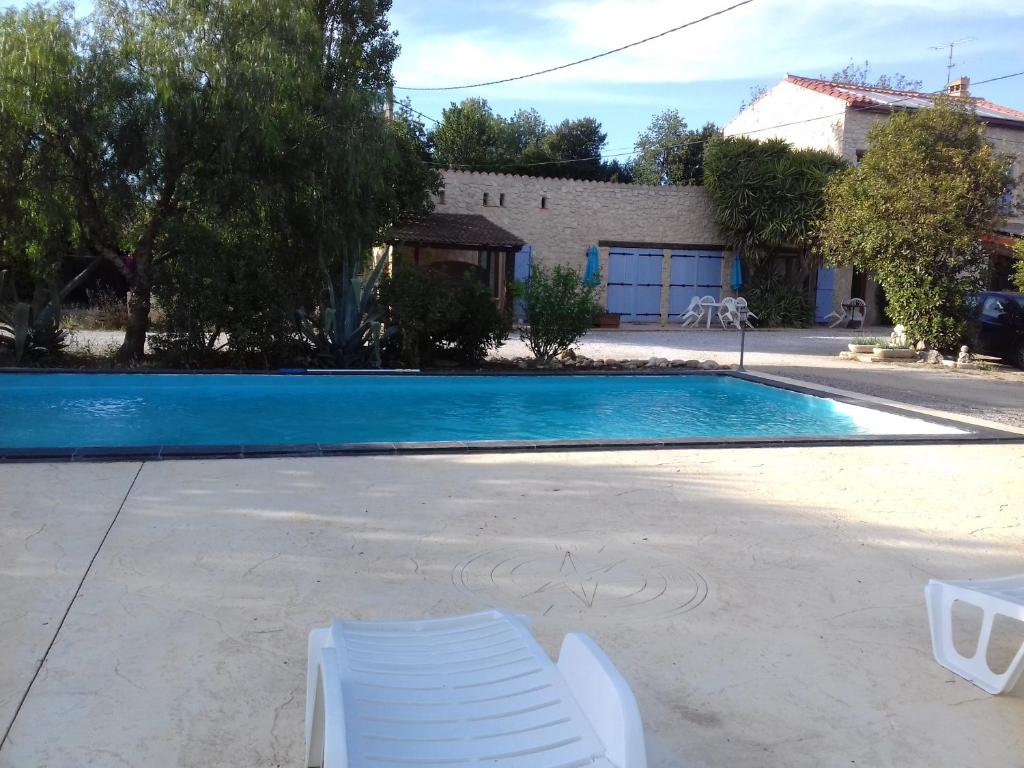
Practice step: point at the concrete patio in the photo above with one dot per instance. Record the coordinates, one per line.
(765, 604)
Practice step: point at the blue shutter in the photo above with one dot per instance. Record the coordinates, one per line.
(634, 284)
(694, 273)
(823, 296)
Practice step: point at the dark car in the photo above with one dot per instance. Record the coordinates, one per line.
(999, 325)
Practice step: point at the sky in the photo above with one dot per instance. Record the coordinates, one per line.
(707, 71)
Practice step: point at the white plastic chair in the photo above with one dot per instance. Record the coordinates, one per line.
(473, 690)
(854, 310)
(994, 597)
(692, 314)
(741, 303)
(727, 312)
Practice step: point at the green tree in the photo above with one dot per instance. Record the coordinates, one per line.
(1017, 275)
(912, 212)
(856, 74)
(472, 135)
(578, 145)
(668, 152)
(168, 129)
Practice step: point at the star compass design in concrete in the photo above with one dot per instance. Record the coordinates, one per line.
(581, 578)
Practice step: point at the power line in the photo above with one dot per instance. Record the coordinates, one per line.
(745, 133)
(580, 61)
(419, 114)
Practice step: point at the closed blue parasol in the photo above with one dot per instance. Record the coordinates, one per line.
(592, 273)
(736, 280)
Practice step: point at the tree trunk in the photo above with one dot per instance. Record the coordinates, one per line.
(133, 348)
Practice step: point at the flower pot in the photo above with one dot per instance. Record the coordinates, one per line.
(861, 349)
(882, 353)
(609, 320)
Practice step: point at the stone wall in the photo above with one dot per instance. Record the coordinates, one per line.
(561, 218)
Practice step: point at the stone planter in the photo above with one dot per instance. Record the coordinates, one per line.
(608, 320)
(861, 349)
(881, 353)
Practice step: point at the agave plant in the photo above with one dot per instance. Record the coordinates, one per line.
(349, 326)
(28, 328)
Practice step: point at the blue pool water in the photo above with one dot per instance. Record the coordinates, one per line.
(104, 410)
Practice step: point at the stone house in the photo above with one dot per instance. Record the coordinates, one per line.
(831, 116)
(658, 246)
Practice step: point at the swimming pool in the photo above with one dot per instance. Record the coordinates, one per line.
(160, 411)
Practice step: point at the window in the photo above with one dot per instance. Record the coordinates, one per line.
(487, 198)
(1005, 204)
(501, 199)
(440, 197)
(860, 156)
(543, 203)
(994, 310)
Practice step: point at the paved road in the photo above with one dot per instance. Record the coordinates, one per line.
(812, 355)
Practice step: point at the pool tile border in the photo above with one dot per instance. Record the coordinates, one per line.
(971, 433)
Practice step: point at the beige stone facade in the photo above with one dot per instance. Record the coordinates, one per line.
(561, 218)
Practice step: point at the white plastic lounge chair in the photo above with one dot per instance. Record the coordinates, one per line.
(692, 314)
(994, 597)
(470, 690)
(741, 303)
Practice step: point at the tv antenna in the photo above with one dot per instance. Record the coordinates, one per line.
(949, 61)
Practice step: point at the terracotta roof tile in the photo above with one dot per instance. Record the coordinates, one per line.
(872, 97)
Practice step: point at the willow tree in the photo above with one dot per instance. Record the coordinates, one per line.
(911, 214)
(169, 128)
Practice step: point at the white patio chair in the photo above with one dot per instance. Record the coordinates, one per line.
(742, 303)
(473, 690)
(692, 314)
(995, 597)
(854, 310)
(727, 312)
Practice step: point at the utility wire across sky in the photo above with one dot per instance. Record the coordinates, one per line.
(703, 141)
(579, 61)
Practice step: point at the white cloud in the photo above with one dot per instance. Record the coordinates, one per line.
(758, 41)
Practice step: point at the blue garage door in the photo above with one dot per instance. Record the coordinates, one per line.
(824, 293)
(634, 284)
(694, 273)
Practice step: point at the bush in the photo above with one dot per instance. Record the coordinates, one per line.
(779, 304)
(30, 329)
(475, 322)
(433, 316)
(874, 341)
(1017, 275)
(559, 309)
(205, 300)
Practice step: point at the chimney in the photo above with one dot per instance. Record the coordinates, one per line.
(959, 87)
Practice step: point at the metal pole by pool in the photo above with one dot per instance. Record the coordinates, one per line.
(742, 314)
